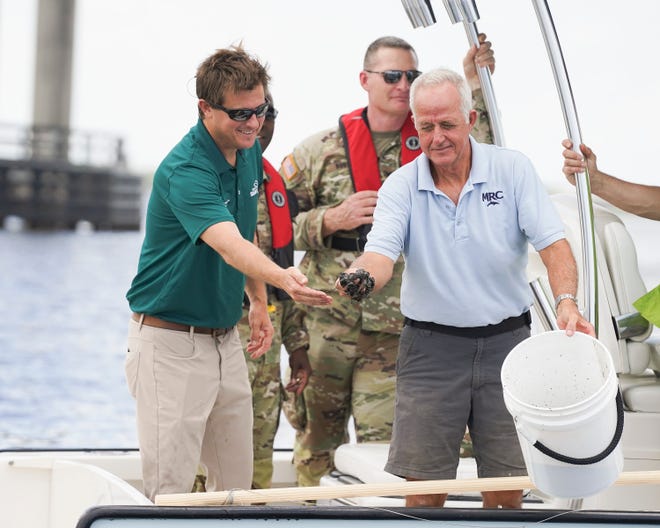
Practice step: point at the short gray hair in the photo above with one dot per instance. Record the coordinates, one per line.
(440, 76)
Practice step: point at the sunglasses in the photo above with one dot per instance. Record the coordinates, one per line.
(394, 76)
(271, 113)
(243, 114)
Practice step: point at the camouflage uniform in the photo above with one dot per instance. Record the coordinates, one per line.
(353, 346)
(264, 372)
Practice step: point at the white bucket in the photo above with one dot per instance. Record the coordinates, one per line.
(562, 393)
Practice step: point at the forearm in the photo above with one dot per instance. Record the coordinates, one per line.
(642, 200)
(379, 267)
(245, 256)
(562, 274)
(562, 269)
(308, 229)
(330, 222)
(256, 291)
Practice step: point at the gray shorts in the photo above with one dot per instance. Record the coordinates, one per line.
(444, 383)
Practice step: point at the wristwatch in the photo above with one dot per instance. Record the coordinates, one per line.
(563, 296)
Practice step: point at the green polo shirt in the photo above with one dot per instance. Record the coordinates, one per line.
(179, 277)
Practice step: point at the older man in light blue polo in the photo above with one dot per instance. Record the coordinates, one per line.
(463, 215)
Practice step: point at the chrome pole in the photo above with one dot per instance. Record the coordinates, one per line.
(419, 12)
(466, 11)
(585, 207)
(545, 306)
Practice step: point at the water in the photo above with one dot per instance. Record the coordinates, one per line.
(63, 323)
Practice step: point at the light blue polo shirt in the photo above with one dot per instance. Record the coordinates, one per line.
(465, 263)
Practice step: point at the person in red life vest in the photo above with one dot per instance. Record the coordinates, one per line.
(336, 175)
(275, 211)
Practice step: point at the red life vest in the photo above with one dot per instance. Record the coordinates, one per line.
(279, 213)
(361, 153)
(278, 207)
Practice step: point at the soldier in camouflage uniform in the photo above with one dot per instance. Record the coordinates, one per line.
(287, 319)
(353, 347)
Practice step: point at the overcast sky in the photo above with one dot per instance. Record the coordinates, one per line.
(135, 60)
(134, 63)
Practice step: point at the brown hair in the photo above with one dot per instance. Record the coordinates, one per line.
(229, 70)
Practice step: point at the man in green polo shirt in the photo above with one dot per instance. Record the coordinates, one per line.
(185, 364)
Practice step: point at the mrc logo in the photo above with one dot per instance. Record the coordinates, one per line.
(492, 198)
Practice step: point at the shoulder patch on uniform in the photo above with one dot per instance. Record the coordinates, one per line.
(289, 167)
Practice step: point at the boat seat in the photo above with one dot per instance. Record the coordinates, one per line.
(636, 359)
(640, 384)
(365, 461)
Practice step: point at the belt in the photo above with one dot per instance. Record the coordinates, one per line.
(347, 244)
(512, 323)
(150, 320)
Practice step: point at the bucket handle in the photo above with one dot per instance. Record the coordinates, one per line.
(596, 458)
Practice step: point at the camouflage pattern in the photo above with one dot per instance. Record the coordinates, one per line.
(199, 486)
(317, 172)
(482, 131)
(264, 372)
(466, 446)
(353, 374)
(267, 387)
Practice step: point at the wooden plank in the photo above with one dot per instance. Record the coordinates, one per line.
(422, 487)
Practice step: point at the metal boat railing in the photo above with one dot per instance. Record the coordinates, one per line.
(585, 206)
(421, 14)
(465, 11)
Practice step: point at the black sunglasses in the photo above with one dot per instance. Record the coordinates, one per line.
(243, 114)
(271, 113)
(394, 76)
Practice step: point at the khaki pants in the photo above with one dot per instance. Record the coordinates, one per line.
(194, 405)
